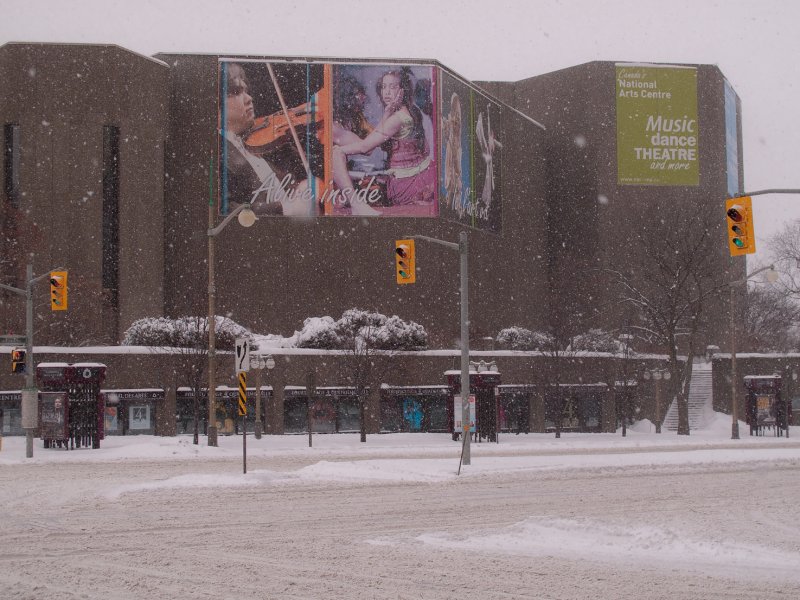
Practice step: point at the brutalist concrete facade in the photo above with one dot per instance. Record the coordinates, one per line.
(74, 107)
(592, 220)
(557, 237)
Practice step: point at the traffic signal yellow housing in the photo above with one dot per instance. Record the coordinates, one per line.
(58, 290)
(739, 220)
(17, 360)
(404, 261)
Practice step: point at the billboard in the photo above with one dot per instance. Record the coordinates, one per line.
(470, 157)
(731, 140)
(657, 129)
(324, 139)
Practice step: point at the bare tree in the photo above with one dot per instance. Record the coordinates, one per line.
(363, 335)
(188, 338)
(357, 333)
(770, 319)
(669, 290)
(558, 348)
(786, 258)
(786, 254)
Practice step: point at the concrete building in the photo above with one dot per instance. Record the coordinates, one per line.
(109, 156)
(111, 160)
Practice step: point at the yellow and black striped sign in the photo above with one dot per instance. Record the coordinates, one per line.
(242, 394)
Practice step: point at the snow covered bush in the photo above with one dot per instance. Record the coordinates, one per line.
(359, 328)
(183, 332)
(519, 338)
(317, 332)
(596, 340)
(396, 334)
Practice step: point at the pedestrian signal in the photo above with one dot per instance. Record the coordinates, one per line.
(17, 360)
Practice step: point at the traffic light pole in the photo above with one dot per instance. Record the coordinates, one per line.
(462, 248)
(771, 191)
(30, 395)
(734, 382)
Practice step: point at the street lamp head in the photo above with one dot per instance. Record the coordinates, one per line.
(772, 275)
(247, 217)
(270, 362)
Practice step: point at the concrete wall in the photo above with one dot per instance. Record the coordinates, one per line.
(596, 224)
(62, 96)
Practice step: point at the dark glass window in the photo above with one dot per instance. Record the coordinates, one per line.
(11, 136)
(111, 213)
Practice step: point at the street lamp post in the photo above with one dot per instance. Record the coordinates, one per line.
(269, 363)
(793, 382)
(246, 218)
(658, 375)
(484, 367)
(772, 276)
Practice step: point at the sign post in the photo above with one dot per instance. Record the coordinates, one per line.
(242, 367)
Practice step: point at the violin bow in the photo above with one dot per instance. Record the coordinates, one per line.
(285, 110)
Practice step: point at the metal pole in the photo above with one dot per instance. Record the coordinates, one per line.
(211, 429)
(465, 388)
(258, 425)
(311, 388)
(787, 400)
(770, 191)
(244, 443)
(658, 405)
(734, 404)
(464, 292)
(32, 396)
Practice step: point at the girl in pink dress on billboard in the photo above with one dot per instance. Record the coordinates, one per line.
(401, 134)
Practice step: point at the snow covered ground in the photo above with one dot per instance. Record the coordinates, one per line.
(583, 516)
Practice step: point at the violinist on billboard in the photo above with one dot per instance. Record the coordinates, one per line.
(262, 164)
(244, 172)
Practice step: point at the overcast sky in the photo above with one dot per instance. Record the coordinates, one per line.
(755, 43)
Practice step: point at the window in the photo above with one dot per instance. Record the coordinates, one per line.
(111, 214)
(11, 136)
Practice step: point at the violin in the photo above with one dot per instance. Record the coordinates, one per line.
(272, 131)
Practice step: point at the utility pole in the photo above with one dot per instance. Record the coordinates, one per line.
(772, 276)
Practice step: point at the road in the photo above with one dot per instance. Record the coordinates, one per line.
(108, 530)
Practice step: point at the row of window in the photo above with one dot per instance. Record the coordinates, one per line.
(334, 414)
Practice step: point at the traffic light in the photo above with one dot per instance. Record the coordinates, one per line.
(739, 218)
(58, 290)
(404, 261)
(18, 360)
